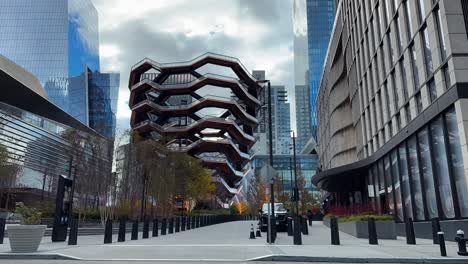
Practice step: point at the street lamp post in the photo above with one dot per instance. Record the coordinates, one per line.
(271, 237)
(297, 222)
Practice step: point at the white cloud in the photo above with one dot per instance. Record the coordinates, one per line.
(258, 32)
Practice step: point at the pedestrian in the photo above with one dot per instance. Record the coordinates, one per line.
(309, 216)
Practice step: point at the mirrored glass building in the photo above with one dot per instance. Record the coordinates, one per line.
(54, 40)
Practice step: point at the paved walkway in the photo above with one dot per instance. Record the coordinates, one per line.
(230, 242)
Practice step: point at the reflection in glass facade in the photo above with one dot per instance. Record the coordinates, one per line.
(54, 40)
(94, 100)
(320, 18)
(307, 165)
(420, 191)
(36, 144)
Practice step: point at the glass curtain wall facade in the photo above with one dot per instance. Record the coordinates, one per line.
(301, 74)
(54, 40)
(283, 164)
(408, 131)
(320, 17)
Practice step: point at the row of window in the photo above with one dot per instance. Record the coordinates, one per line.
(424, 176)
(396, 86)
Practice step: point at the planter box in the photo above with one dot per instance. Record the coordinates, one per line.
(359, 229)
(25, 238)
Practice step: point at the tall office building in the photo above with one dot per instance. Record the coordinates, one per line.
(320, 17)
(301, 72)
(392, 110)
(54, 40)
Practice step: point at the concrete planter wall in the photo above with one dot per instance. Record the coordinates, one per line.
(359, 229)
(25, 238)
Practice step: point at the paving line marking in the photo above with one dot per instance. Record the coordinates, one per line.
(169, 260)
(187, 245)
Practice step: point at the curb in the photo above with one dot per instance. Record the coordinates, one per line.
(284, 258)
(37, 256)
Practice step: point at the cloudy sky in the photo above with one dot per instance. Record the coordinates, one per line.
(258, 32)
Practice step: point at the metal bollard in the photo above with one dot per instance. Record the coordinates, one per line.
(305, 228)
(435, 229)
(335, 235)
(183, 224)
(372, 232)
(198, 221)
(146, 228)
(461, 240)
(73, 237)
(290, 226)
(177, 224)
(188, 223)
(155, 227)
(122, 230)
(163, 227)
(192, 222)
(2, 229)
(410, 237)
(108, 232)
(443, 250)
(171, 225)
(134, 230)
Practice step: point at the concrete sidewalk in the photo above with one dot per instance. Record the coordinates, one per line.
(230, 242)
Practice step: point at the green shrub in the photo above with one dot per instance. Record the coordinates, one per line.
(361, 217)
(30, 215)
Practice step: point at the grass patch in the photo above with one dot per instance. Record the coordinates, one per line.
(361, 217)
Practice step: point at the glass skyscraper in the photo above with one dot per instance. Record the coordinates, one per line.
(320, 18)
(54, 40)
(96, 102)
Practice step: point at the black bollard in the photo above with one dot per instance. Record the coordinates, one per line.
(410, 237)
(372, 232)
(2, 229)
(192, 222)
(146, 228)
(335, 235)
(290, 226)
(460, 239)
(171, 225)
(183, 224)
(177, 224)
(108, 232)
(134, 230)
(435, 229)
(443, 250)
(163, 227)
(189, 223)
(252, 232)
(305, 229)
(122, 230)
(73, 237)
(198, 221)
(155, 227)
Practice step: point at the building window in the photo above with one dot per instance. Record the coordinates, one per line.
(414, 67)
(398, 30)
(409, 20)
(421, 10)
(427, 52)
(427, 175)
(418, 103)
(387, 101)
(396, 98)
(456, 160)
(408, 113)
(405, 181)
(404, 80)
(441, 167)
(388, 180)
(432, 90)
(390, 49)
(396, 182)
(415, 179)
(441, 35)
(398, 121)
(446, 76)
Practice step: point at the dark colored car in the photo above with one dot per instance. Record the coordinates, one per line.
(281, 217)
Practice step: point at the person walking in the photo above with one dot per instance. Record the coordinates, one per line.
(309, 216)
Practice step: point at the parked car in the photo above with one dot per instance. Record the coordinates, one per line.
(281, 217)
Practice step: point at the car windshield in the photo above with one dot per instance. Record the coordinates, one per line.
(278, 207)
